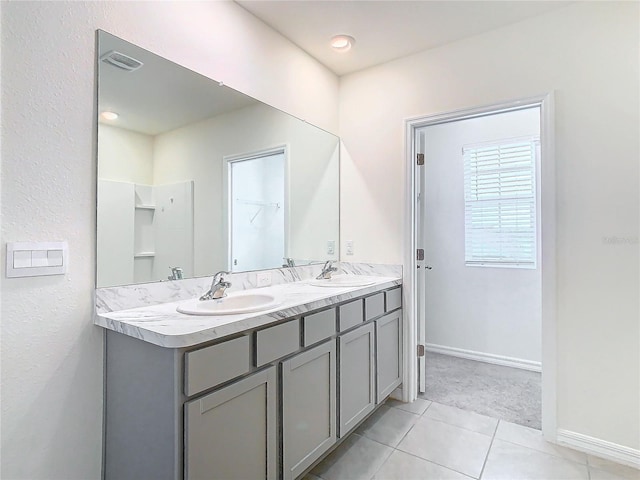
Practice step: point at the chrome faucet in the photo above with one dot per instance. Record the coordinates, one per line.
(218, 287)
(289, 262)
(327, 270)
(176, 273)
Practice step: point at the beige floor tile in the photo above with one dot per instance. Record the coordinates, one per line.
(532, 438)
(310, 476)
(388, 425)
(356, 458)
(608, 466)
(596, 474)
(402, 466)
(453, 447)
(462, 418)
(418, 406)
(508, 461)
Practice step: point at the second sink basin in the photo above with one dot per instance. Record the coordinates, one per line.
(344, 281)
(229, 305)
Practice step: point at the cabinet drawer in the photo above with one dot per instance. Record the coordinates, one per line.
(393, 299)
(350, 315)
(374, 306)
(275, 342)
(211, 366)
(319, 326)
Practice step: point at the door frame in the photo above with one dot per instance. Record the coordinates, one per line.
(227, 160)
(547, 228)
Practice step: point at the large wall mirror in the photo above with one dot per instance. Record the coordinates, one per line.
(195, 176)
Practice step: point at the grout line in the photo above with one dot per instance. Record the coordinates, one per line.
(462, 428)
(489, 450)
(435, 463)
(383, 463)
(545, 452)
(428, 407)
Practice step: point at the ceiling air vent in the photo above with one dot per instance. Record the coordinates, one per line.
(121, 60)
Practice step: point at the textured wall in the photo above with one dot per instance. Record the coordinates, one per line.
(588, 53)
(51, 353)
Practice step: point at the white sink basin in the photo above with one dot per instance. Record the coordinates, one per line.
(344, 281)
(229, 305)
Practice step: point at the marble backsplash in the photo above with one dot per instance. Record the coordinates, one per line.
(111, 299)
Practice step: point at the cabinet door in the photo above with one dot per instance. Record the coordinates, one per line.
(231, 433)
(357, 377)
(388, 353)
(308, 407)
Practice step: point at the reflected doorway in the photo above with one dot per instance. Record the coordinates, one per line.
(257, 210)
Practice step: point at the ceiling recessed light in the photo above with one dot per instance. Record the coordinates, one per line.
(109, 115)
(342, 43)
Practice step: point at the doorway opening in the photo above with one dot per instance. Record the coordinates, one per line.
(480, 271)
(257, 210)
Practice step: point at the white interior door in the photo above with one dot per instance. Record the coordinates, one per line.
(420, 263)
(257, 212)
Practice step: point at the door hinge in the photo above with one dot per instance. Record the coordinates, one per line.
(420, 159)
(420, 350)
(420, 254)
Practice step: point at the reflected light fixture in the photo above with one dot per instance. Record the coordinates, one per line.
(342, 43)
(109, 115)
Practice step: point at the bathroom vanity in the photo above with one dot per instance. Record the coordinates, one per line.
(251, 396)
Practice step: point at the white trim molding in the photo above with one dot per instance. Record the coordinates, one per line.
(485, 357)
(599, 448)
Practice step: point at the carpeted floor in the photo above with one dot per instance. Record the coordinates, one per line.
(507, 393)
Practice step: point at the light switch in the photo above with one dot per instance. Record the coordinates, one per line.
(22, 259)
(39, 258)
(34, 259)
(55, 258)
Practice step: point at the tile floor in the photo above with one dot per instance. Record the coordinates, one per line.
(428, 440)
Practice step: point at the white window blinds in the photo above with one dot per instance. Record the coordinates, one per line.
(500, 203)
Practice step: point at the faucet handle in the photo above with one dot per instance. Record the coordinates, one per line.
(218, 277)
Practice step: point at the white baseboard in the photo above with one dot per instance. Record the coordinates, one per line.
(599, 448)
(485, 357)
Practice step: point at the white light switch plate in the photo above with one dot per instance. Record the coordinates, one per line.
(34, 259)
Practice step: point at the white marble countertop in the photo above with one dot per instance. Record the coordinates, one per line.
(162, 325)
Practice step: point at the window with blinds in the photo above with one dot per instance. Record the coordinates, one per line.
(500, 203)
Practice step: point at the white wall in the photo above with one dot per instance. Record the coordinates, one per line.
(312, 176)
(124, 155)
(489, 310)
(588, 53)
(51, 353)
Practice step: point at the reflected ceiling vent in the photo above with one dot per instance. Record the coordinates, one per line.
(121, 61)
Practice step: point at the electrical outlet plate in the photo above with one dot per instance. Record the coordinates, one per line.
(349, 247)
(331, 247)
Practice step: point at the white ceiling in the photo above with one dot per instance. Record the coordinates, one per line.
(386, 30)
(161, 95)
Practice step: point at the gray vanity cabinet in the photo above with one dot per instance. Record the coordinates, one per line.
(267, 403)
(357, 376)
(232, 433)
(308, 407)
(388, 353)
